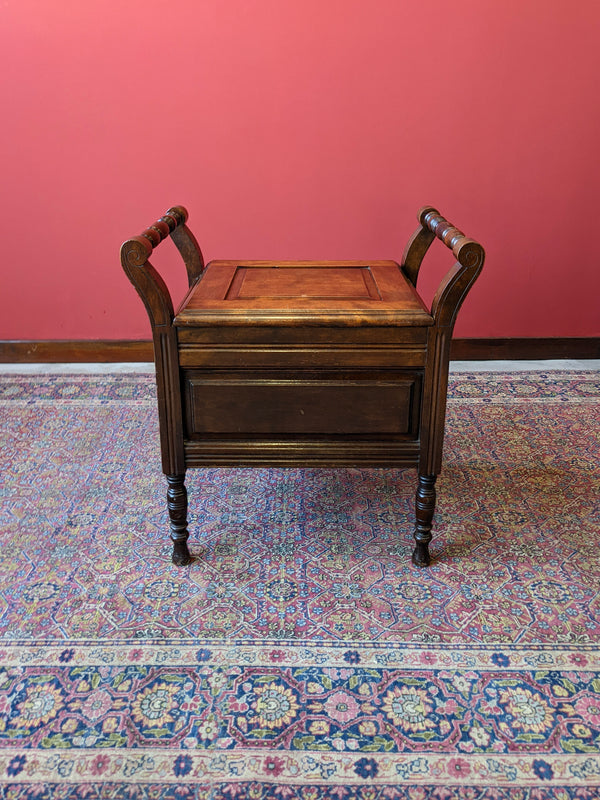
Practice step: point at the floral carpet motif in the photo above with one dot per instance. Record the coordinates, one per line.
(300, 656)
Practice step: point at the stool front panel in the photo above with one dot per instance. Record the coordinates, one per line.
(303, 404)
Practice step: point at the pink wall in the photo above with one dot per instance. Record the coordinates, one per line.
(299, 129)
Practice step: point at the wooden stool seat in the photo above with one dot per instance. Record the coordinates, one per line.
(313, 293)
(303, 363)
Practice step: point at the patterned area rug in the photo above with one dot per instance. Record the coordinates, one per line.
(300, 656)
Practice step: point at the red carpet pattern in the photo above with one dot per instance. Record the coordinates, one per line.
(300, 655)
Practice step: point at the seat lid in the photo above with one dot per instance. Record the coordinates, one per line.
(283, 293)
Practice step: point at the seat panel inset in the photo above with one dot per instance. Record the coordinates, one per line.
(317, 282)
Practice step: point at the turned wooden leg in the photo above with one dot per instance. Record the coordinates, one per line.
(424, 508)
(177, 504)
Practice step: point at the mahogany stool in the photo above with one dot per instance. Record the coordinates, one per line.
(304, 363)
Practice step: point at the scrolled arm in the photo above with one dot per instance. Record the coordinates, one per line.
(469, 254)
(136, 251)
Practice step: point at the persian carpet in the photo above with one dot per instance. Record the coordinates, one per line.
(300, 656)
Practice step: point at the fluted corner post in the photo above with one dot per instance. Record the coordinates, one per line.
(154, 293)
(448, 299)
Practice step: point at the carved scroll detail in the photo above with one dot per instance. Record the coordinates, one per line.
(135, 252)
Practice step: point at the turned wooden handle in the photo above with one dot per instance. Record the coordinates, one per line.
(137, 250)
(462, 247)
